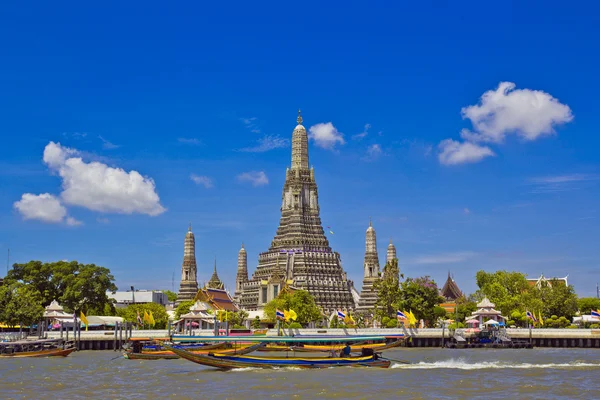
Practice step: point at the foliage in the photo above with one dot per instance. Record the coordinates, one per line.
(453, 326)
(388, 291)
(295, 325)
(256, 322)
(438, 313)
(392, 324)
(556, 299)
(171, 296)
(77, 287)
(20, 304)
(556, 322)
(183, 308)
(503, 288)
(587, 304)
(239, 317)
(302, 302)
(420, 295)
(130, 313)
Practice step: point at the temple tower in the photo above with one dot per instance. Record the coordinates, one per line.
(242, 272)
(300, 249)
(368, 296)
(189, 283)
(215, 282)
(391, 252)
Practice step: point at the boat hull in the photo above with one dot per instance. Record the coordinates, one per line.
(41, 353)
(170, 355)
(226, 362)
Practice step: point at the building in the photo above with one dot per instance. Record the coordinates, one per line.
(218, 299)
(485, 312)
(368, 295)
(123, 299)
(189, 283)
(242, 273)
(537, 282)
(451, 292)
(215, 282)
(299, 254)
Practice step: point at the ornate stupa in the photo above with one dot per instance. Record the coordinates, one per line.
(189, 284)
(368, 296)
(215, 282)
(299, 249)
(391, 252)
(242, 272)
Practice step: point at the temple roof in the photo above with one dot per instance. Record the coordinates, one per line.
(485, 303)
(450, 290)
(219, 299)
(215, 282)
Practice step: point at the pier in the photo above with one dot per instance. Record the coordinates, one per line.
(582, 338)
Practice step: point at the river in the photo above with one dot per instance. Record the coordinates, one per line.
(432, 374)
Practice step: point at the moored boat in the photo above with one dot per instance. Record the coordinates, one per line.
(170, 355)
(37, 348)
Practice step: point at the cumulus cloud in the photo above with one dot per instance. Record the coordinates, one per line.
(326, 136)
(98, 187)
(267, 143)
(202, 180)
(256, 178)
(528, 114)
(44, 207)
(453, 152)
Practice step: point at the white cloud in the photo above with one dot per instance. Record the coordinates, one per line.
(202, 180)
(98, 187)
(506, 110)
(364, 133)
(373, 152)
(445, 258)
(102, 220)
(108, 145)
(250, 123)
(43, 207)
(256, 178)
(453, 152)
(190, 141)
(466, 211)
(326, 135)
(560, 183)
(267, 143)
(529, 114)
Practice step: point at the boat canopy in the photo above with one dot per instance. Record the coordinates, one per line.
(271, 339)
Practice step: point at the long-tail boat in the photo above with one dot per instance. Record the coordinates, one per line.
(170, 355)
(226, 362)
(37, 348)
(308, 348)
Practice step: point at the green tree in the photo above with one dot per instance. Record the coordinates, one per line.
(504, 289)
(129, 313)
(301, 301)
(557, 299)
(20, 304)
(256, 322)
(421, 296)
(587, 304)
(183, 308)
(78, 287)
(388, 291)
(171, 296)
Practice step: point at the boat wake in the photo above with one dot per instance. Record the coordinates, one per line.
(464, 365)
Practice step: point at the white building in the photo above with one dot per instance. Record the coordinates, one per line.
(123, 299)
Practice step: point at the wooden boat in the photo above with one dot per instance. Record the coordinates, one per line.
(38, 348)
(226, 362)
(170, 355)
(357, 347)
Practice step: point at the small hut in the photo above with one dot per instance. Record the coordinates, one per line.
(485, 311)
(55, 315)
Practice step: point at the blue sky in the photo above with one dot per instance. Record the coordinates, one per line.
(468, 134)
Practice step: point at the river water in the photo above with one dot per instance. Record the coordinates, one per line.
(432, 374)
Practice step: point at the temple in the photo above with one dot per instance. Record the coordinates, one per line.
(391, 252)
(189, 284)
(215, 282)
(450, 292)
(299, 254)
(542, 280)
(368, 296)
(242, 273)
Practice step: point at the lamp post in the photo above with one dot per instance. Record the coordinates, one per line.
(132, 295)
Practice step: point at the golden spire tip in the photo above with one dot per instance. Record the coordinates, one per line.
(299, 119)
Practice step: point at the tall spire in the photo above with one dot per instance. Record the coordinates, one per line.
(215, 282)
(299, 145)
(368, 296)
(391, 252)
(242, 272)
(189, 283)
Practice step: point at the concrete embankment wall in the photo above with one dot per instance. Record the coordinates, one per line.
(586, 338)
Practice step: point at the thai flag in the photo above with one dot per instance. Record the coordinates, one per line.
(279, 314)
(531, 316)
(139, 319)
(401, 315)
(341, 315)
(596, 314)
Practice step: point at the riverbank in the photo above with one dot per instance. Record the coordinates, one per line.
(582, 338)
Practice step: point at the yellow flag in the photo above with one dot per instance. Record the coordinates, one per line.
(541, 320)
(83, 319)
(412, 319)
(146, 317)
(293, 315)
(286, 315)
(151, 318)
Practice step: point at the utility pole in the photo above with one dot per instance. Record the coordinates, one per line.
(597, 291)
(8, 262)
(133, 294)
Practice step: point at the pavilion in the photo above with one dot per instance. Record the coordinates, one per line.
(485, 312)
(54, 315)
